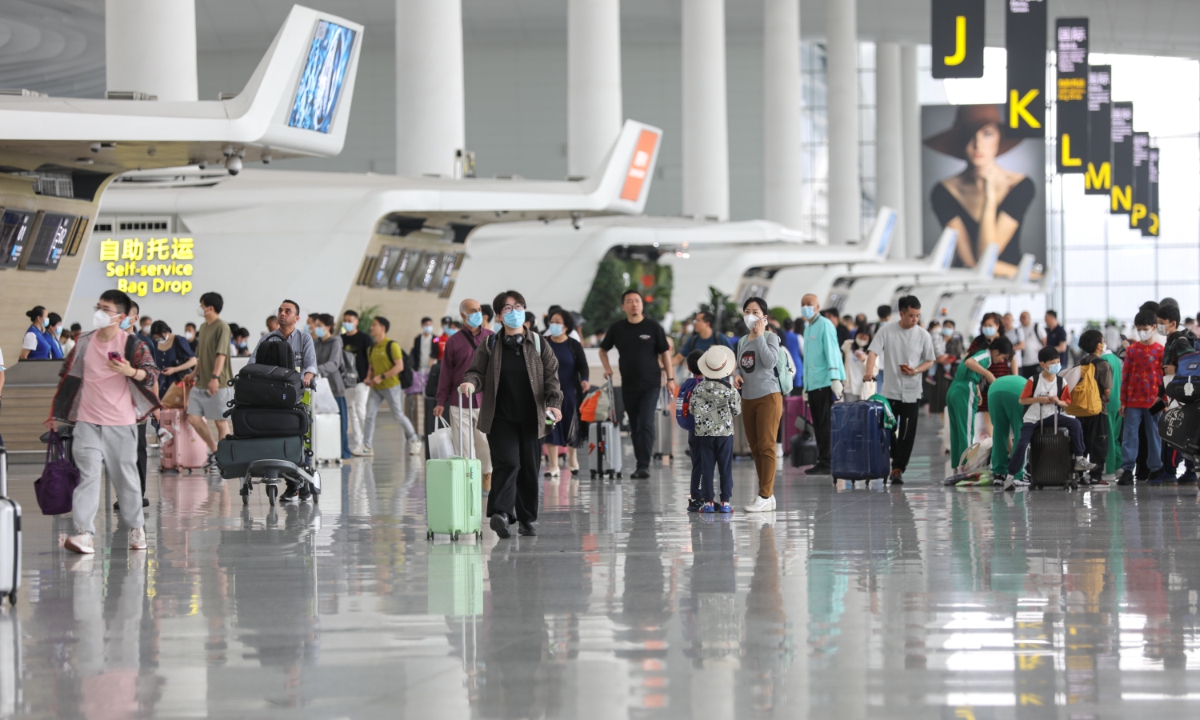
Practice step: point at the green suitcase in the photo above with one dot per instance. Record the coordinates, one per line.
(453, 492)
(455, 580)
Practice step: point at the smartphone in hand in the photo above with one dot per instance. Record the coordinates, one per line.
(115, 357)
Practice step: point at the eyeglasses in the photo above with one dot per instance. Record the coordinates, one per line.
(110, 312)
(512, 308)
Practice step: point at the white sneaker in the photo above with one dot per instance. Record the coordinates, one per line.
(363, 452)
(137, 539)
(414, 447)
(778, 450)
(1082, 464)
(761, 504)
(1020, 483)
(81, 543)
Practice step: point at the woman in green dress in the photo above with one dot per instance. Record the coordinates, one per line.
(962, 400)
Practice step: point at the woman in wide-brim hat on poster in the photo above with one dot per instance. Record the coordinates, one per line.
(985, 203)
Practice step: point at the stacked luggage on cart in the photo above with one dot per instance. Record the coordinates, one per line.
(1179, 426)
(271, 440)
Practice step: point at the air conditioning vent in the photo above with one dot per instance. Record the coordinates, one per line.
(144, 225)
(104, 227)
(128, 95)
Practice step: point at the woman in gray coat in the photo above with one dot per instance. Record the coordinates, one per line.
(517, 372)
(331, 363)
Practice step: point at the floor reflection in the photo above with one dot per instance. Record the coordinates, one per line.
(910, 602)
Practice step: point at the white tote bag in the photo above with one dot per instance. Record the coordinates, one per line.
(323, 402)
(441, 441)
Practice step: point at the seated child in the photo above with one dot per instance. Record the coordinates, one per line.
(714, 405)
(1046, 395)
(684, 400)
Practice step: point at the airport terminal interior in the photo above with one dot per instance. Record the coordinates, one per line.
(828, 358)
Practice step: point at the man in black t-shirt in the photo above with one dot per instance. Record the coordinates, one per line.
(358, 344)
(644, 352)
(1056, 336)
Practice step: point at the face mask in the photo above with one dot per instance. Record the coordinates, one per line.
(145, 329)
(861, 342)
(1055, 368)
(427, 329)
(807, 312)
(58, 331)
(1162, 329)
(319, 332)
(199, 311)
(450, 331)
(988, 331)
(947, 332)
(45, 322)
(126, 323)
(190, 336)
(348, 327)
(556, 329)
(475, 319)
(514, 319)
(750, 320)
(687, 330)
(1144, 334)
(242, 346)
(101, 320)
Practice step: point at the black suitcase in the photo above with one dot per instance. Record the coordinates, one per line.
(1180, 428)
(803, 450)
(267, 386)
(250, 422)
(276, 353)
(234, 455)
(1050, 461)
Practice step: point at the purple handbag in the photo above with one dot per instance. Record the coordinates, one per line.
(57, 484)
(418, 386)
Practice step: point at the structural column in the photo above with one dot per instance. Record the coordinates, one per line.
(594, 113)
(889, 140)
(914, 193)
(150, 47)
(845, 179)
(705, 124)
(430, 106)
(782, 175)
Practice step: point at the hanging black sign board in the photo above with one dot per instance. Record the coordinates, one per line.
(1149, 224)
(1122, 162)
(1071, 46)
(957, 38)
(1097, 179)
(1141, 179)
(1025, 39)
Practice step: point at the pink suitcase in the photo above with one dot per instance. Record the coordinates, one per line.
(793, 407)
(185, 449)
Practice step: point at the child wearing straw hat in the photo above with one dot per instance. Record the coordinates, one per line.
(714, 405)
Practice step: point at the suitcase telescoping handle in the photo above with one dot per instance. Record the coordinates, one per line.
(3, 472)
(470, 411)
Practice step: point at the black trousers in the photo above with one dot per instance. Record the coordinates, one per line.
(639, 406)
(141, 459)
(516, 464)
(905, 432)
(820, 402)
(1095, 439)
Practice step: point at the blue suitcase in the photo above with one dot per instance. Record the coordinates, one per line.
(1185, 387)
(861, 447)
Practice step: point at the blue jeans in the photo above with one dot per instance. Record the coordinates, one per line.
(344, 414)
(1135, 418)
(714, 451)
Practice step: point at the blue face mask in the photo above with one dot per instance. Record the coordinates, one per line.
(58, 331)
(427, 329)
(988, 331)
(319, 332)
(46, 322)
(556, 329)
(514, 319)
(947, 332)
(451, 331)
(348, 327)
(126, 323)
(1055, 368)
(496, 327)
(475, 319)
(807, 312)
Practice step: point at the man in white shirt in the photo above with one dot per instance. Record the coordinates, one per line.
(1035, 340)
(907, 352)
(1016, 336)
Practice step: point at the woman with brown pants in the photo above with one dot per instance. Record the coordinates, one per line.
(762, 398)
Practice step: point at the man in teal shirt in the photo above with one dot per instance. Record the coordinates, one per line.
(823, 376)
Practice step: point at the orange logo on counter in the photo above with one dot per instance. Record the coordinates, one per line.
(639, 165)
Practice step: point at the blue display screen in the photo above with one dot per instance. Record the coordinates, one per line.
(324, 72)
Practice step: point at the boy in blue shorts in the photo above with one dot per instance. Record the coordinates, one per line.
(714, 404)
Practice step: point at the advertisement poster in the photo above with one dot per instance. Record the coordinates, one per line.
(321, 83)
(971, 163)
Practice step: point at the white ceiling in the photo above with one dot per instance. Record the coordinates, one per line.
(57, 46)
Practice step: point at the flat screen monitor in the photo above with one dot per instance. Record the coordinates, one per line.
(403, 271)
(445, 268)
(425, 272)
(321, 82)
(14, 233)
(388, 256)
(50, 241)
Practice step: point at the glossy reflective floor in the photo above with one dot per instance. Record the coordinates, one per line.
(919, 602)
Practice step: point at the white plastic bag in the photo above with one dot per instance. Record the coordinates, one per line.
(323, 402)
(441, 441)
(977, 457)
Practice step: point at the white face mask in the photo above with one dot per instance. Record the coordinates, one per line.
(1145, 334)
(861, 342)
(190, 336)
(751, 321)
(199, 311)
(101, 320)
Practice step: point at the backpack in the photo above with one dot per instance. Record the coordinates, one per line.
(683, 405)
(276, 353)
(785, 371)
(406, 374)
(1085, 396)
(596, 406)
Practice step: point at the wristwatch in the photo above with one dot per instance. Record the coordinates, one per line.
(216, 377)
